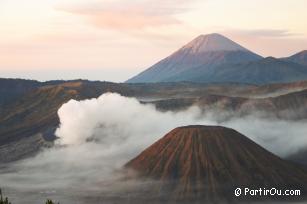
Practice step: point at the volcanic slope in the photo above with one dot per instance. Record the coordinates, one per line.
(206, 51)
(206, 163)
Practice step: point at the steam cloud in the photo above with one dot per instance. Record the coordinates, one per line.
(98, 136)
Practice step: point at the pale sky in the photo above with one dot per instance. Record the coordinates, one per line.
(115, 39)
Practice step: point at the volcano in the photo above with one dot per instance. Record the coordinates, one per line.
(207, 163)
(214, 58)
(207, 51)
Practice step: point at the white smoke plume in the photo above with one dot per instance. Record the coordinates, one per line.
(98, 136)
(112, 119)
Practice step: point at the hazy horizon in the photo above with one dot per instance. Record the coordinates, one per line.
(111, 75)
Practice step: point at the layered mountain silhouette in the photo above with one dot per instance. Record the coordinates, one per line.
(300, 58)
(206, 163)
(264, 71)
(214, 58)
(289, 106)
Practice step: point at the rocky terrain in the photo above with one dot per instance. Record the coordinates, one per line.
(34, 112)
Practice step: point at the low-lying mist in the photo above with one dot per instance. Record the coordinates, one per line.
(98, 136)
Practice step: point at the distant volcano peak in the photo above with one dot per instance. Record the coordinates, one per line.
(211, 43)
(197, 59)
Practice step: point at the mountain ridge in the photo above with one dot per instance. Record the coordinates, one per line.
(268, 70)
(300, 58)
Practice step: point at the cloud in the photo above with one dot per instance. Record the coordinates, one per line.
(98, 136)
(264, 33)
(271, 33)
(129, 19)
(268, 42)
(129, 15)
